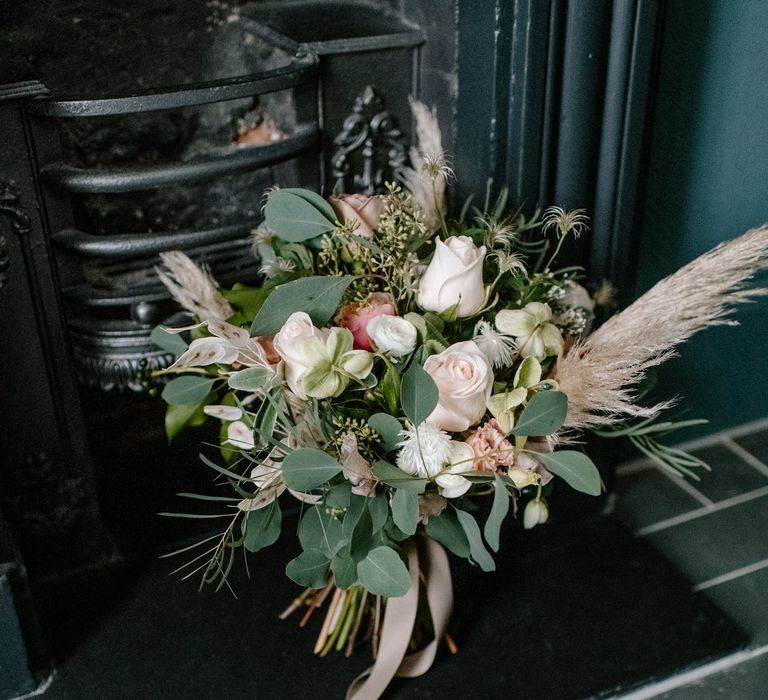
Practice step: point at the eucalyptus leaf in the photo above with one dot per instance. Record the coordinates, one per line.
(187, 390)
(499, 511)
(379, 510)
(250, 379)
(477, 549)
(383, 573)
(388, 428)
(309, 569)
(392, 476)
(418, 394)
(446, 529)
(262, 527)
(344, 568)
(544, 414)
(320, 530)
(338, 496)
(575, 468)
(308, 468)
(405, 510)
(293, 218)
(179, 417)
(314, 199)
(361, 536)
(318, 296)
(357, 504)
(170, 342)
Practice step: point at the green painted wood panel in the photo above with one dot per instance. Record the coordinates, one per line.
(708, 182)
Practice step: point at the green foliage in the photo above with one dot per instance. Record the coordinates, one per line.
(344, 568)
(575, 468)
(388, 428)
(317, 296)
(170, 342)
(320, 530)
(179, 417)
(250, 379)
(379, 510)
(499, 511)
(308, 468)
(262, 527)
(187, 390)
(446, 529)
(360, 543)
(544, 414)
(477, 549)
(383, 573)
(419, 394)
(310, 569)
(298, 215)
(393, 476)
(390, 388)
(673, 460)
(405, 511)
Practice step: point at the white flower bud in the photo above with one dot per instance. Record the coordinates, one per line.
(536, 513)
(392, 335)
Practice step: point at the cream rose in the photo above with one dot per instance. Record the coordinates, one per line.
(464, 379)
(392, 335)
(366, 211)
(454, 276)
(289, 343)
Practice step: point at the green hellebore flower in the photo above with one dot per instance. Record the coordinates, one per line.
(333, 363)
(535, 334)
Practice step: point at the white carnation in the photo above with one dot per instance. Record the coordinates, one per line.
(425, 451)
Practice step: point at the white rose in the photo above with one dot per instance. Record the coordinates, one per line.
(289, 343)
(392, 335)
(454, 276)
(451, 483)
(464, 379)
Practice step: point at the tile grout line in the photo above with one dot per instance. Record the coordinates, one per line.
(731, 575)
(655, 689)
(746, 456)
(689, 488)
(700, 512)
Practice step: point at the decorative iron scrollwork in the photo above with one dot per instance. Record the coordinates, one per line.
(370, 147)
(21, 223)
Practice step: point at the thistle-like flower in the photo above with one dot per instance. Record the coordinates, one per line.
(425, 450)
(271, 268)
(261, 236)
(564, 222)
(498, 348)
(509, 262)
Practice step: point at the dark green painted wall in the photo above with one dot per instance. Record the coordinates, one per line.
(708, 182)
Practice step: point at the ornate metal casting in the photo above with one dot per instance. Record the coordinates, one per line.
(374, 133)
(20, 225)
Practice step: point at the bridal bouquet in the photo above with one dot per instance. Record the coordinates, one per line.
(398, 370)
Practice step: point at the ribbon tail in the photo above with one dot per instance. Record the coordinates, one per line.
(396, 631)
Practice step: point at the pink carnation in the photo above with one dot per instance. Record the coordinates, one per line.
(355, 317)
(491, 447)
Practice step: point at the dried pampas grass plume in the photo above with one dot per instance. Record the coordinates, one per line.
(599, 374)
(193, 287)
(426, 180)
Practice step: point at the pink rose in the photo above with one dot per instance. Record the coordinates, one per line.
(491, 447)
(355, 317)
(360, 208)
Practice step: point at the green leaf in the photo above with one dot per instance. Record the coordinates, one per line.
(318, 296)
(575, 468)
(314, 199)
(544, 414)
(262, 527)
(379, 510)
(390, 388)
(499, 511)
(477, 549)
(405, 511)
(187, 390)
(361, 536)
(446, 529)
(419, 394)
(320, 530)
(388, 428)
(179, 417)
(383, 573)
(357, 505)
(250, 379)
(392, 476)
(170, 342)
(309, 569)
(338, 496)
(293, 218)
(308, 468)
(344, 568)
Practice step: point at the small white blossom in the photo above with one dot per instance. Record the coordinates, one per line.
(270, 268)
(424, 451)
(498, 348)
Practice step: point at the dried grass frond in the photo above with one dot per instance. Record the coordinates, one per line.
(426, 180)
(193, 287)
(600, 374)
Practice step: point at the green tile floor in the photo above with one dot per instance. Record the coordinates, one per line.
(716, 532)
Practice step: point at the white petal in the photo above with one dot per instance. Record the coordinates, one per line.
(223, 412)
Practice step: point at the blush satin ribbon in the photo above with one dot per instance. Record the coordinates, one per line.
(399, 619)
